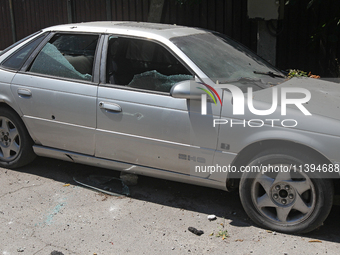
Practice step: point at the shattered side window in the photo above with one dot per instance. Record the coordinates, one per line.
(153, 80)
(143, 64)
(67, 56)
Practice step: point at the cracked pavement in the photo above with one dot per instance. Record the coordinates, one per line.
(39, 214)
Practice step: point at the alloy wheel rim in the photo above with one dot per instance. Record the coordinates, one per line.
(9, 140)
(285, 198)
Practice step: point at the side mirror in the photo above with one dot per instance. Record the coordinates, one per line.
(186, 89)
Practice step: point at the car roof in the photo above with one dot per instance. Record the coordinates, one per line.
(129, 28)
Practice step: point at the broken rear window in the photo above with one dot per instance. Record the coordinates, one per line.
(67, 56)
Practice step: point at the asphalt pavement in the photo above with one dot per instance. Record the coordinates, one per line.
(44, 211)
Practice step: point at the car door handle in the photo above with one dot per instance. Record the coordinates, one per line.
(24, 92)
(110, 107)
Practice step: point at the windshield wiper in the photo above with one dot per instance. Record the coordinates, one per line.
(271, 74)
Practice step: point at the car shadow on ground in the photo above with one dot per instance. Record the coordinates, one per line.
(173, 194)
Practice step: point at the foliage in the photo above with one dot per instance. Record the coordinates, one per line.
(298, 73)
(324, 36)
(331, 23)
(222, 233)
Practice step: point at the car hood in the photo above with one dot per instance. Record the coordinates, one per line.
(325, 96)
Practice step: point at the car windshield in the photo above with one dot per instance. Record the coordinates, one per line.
(224, 60)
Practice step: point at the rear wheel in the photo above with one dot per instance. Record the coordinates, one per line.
(15, 142)
(286, 201)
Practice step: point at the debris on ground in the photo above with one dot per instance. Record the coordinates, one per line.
(66, 185)
(129, 179)
(314, 241)
(56, 253)
(21, 249)
(212, 217)
(195, 231)
(223, 233)
(106, 184)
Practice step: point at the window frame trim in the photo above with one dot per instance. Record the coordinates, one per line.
(33, 55)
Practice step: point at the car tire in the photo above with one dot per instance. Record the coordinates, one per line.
(288, 202)
(15, 142)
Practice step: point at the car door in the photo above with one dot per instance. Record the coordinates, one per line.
(57, 92)
(139, 122)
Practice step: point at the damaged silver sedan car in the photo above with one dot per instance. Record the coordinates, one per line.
(177, 103)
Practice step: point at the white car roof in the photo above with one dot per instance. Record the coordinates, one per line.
(151, 30)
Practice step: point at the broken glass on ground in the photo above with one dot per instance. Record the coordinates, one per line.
(129, 179)
(107, 184)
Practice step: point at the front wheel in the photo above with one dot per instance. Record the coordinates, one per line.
(15, 142)
(285, 201)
